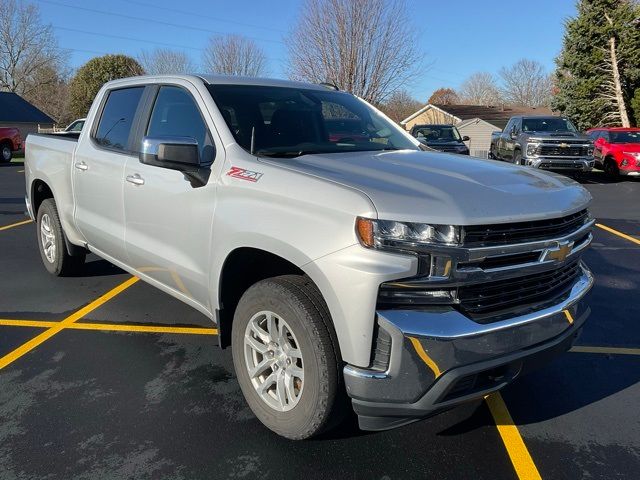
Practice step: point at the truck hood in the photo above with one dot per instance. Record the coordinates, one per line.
(444, 188)
(559, 136)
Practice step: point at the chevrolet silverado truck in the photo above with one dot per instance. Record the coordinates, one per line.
(336, 267)
(549, 143)
(10, 141)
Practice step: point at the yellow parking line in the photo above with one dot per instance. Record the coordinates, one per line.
(50, 332)
(606, 350)
(111, 327)
(425, 357)
(569, 317)
(620, 234)
(7, 227)
(6, 322)
(20, 171)
(118, 327)
(517, 450)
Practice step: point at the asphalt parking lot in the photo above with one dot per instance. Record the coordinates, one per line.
(103, 377)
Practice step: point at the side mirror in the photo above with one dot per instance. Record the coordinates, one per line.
(466, 138)
(513, 135)
(175, 153)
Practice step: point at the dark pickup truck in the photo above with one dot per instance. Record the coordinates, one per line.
(550, 143)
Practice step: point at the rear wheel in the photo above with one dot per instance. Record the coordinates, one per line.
(5, 152)
(53, 250)
(285, 358)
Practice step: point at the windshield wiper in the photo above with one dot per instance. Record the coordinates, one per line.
(286, 154)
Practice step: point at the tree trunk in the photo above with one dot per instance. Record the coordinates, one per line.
(624, 117)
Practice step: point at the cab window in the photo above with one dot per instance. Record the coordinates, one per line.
(117, 118)
(175, 114)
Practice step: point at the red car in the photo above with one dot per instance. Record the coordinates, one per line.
(10, 141)
(617, 150)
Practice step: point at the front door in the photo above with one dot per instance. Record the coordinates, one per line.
(168, 221)
(98, 172)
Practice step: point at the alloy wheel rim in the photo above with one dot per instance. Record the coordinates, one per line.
(47, 238)
(274, 361)
(6, 153)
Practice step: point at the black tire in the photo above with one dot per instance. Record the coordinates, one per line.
(297, 300)
(60, 263)
(5, 153)
(517, 157)
(611, 168)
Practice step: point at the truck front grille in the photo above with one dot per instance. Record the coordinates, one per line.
(502, 296)
(502, 234)
(557, 151)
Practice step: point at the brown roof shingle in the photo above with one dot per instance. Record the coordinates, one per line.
(496, 115)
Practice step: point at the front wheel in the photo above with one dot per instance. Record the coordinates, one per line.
(517, 157)
(611, 168)
(285, 358)
(53, 251)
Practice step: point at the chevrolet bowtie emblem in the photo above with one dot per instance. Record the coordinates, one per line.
(559, 253)
(564, 145)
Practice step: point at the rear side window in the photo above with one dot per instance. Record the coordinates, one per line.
(117, 118)
(175, 114)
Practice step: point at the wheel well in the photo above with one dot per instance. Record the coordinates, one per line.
(244, 267)
(40, 191)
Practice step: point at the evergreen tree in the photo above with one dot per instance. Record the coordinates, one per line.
(584, 81)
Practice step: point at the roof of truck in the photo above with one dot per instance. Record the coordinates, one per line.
(227, 80)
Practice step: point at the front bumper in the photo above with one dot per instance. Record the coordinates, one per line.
(440, 358)
(575, 164)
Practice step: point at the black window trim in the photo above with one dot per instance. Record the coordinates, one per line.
(103, 102)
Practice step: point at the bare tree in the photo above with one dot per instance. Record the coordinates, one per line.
(163, 60)
(400, 105)
(611, 92)
(444, 96)
(234, 55)
(480, 89)
(526, 83)
(366, 47)
(26, 47)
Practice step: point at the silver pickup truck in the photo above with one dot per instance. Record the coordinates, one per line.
(336, 265)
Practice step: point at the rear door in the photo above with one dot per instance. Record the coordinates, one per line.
(169, 221)
(98, 173)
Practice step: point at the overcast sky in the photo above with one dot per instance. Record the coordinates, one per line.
(457, 37)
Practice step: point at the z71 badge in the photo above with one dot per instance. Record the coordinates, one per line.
(244, 174)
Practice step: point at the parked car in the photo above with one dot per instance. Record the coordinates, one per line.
(444, 138)
(617, 150)
(76, 125)
(550, 143)
(366, 268)
(10, 141)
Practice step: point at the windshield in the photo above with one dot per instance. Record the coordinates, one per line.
(289, 122)
(438, 133)
(625, 137)
(551, 124)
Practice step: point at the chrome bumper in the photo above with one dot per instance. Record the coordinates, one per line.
(440, 358)
(582, 164)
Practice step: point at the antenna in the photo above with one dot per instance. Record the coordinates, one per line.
(253, 139)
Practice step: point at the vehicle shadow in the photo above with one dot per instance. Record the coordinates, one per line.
(12, 164)
(99, 268)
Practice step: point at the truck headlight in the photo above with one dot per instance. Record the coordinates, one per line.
(531, 149)
(392, 235)
(589, 151)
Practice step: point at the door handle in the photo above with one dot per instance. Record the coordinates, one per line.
(135, 179)
(82, 166)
